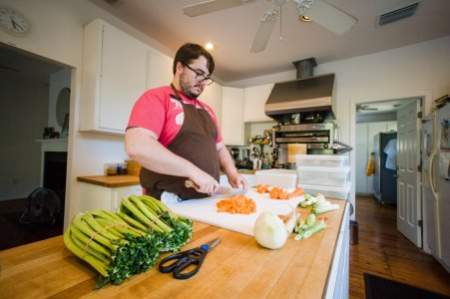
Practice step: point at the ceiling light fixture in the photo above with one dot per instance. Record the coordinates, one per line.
(305, 18)
(209, 46)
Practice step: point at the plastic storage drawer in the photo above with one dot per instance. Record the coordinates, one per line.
(326, 176)
(283, 178)
(322, 160)
(328, 191)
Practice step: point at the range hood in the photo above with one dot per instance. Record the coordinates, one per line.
(306, 94)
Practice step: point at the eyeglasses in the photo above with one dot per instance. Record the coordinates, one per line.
(200, 75)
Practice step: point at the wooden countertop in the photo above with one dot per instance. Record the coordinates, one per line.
(110, 180)
(238, 267)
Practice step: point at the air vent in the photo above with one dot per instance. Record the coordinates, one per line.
(398, 14)
(112, 2)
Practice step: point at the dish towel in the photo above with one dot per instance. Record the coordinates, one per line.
(391, 151)
(371, 165)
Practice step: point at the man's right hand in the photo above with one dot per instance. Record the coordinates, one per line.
(204, 182)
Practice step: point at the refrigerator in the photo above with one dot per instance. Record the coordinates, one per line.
(385, 176)
(436, 183)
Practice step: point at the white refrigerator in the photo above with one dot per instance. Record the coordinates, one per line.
(436, 183)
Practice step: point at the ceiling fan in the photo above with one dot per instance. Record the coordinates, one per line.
(364, 108)
(319, 11)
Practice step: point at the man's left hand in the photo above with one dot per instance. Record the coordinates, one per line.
(237, 180)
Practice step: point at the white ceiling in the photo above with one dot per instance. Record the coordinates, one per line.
(382, 107)
(232, 32)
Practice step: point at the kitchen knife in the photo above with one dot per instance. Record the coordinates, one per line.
(221, 192)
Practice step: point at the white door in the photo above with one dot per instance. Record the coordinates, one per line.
(409, 184)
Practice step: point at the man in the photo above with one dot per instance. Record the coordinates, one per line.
(176, 137)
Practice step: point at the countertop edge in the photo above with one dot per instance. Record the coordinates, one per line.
(110, 181)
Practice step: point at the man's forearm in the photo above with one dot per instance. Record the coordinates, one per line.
(155, 157)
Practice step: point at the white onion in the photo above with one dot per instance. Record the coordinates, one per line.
(271, 232)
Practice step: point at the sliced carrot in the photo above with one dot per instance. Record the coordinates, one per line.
(238, 204)
(278, 193)
(262, 188)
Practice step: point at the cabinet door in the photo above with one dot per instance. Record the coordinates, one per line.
(233, 116)
(255, 100)
(122, 77)
(159, 69)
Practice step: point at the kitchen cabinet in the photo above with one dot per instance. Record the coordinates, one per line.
(255, 100)
(159, 69)
(233, 116)
(98, 193)
(338, 281)
(114, 76)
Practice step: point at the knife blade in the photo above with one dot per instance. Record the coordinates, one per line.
(222, 192)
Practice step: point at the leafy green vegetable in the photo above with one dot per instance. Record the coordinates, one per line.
(306, 228)
(120, 245)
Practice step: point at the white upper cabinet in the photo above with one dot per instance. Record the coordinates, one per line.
(159, 69)
(255, 100)
(114, 76)
(233, 116)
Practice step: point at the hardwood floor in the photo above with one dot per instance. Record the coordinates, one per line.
(13, 233)
(384, 251)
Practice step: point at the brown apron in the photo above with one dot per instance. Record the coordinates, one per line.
(195, 142)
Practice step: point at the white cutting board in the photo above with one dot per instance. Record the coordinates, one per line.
(204, 210)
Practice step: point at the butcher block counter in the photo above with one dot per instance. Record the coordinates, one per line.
(111, 181)
(237, 268)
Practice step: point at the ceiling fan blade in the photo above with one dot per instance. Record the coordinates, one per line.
(209, 6)
(265, 29)
(330, 17)
(8, 68)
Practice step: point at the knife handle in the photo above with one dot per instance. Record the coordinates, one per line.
(190, 184)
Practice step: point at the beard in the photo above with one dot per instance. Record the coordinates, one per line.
(188, 89)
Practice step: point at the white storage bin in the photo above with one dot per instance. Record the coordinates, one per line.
(283, 178)
(324, 176)
(328, 191)
(322, 160)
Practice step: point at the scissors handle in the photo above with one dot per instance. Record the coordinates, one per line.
(179, 262)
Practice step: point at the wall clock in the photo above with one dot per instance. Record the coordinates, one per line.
(13, 22)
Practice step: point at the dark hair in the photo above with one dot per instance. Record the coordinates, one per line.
(189, 52)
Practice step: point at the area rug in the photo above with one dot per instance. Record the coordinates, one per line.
(381, 288)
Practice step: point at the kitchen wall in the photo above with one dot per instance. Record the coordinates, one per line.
(23, 116)
(421, 69)
(57, 34)
(213, 96)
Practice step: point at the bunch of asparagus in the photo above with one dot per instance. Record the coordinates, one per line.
(149, 214)
(118, 245)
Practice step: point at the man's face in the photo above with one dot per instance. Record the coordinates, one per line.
(192, 77)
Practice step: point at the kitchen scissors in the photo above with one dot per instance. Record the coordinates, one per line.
(179, 263)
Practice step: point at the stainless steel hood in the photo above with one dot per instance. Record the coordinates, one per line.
(306, 94)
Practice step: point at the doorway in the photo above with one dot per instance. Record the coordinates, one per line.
(34, 126)
(388, 160)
